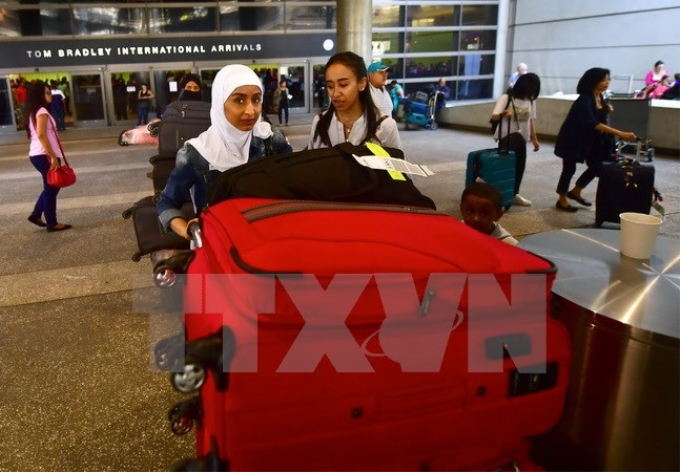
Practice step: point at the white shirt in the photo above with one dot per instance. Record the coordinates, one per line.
(381, 99)
(501, 233)
(387, 133)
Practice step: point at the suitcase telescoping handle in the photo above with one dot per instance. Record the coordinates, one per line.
(500, 128)
(194, 230)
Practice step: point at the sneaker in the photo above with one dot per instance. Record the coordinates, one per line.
(521, 201)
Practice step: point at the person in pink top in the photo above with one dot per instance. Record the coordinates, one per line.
(656, 81)
(45, 153)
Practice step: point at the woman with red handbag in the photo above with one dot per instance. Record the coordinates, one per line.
(45, 153)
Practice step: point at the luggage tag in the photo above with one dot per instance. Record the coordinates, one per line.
(378, 150)
(381, 160)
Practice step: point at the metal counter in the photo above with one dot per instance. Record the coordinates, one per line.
(623, 406)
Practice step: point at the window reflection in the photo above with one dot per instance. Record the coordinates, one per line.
(304, 18)
(478, 41)
(251, 18)
(181, 20)
(433, 15)
(430, 66)
(388, 43)
(108, 21)
(387, 16)
(480, 15)
(432, 41)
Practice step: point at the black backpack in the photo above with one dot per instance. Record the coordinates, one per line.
(325, 174)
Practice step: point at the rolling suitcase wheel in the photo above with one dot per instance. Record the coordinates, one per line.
(190, 378)
(164, 276)
(181, 424)
(183, 415)
(169, 351)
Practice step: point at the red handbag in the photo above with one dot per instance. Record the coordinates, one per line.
(62, 176)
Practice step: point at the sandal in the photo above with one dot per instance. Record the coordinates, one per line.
(579, 199)
(569, 208)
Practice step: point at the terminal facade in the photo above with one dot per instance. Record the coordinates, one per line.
(101, 52)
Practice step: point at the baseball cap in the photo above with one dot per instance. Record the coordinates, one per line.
(378, 67)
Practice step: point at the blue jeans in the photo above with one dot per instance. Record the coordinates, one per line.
(47, 201)
(142, 115)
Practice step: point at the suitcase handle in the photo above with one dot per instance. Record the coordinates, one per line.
(194, 231)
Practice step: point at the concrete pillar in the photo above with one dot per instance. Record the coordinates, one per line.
(355, 22)
(500, 78)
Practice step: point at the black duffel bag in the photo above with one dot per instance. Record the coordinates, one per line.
(326, 174)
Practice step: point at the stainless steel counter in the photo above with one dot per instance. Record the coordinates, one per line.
(623, 405)
(594, 275)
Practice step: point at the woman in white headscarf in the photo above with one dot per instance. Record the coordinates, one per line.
(236, 135)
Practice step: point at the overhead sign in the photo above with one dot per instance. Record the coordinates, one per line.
(22, 54)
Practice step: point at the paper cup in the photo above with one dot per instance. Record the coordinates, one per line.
(638, 234)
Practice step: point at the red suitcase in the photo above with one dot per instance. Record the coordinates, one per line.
(333, 336)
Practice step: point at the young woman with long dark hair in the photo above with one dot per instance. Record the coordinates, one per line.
(45, 153)
(352, 116)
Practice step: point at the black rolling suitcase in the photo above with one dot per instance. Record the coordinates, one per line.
(150, 235)
(182, 120)
(624, 185)
(161, 167)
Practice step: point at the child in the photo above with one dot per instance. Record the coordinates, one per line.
(482, 207)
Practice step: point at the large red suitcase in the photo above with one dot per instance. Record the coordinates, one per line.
(333, 336)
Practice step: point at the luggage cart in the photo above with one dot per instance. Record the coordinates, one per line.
(632, 114)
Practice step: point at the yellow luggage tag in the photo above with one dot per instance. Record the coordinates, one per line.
(378, 150)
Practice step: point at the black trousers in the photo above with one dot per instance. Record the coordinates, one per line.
(568, 171)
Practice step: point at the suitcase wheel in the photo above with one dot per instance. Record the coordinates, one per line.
(433, 126)
(136, 258)
(153, 128)
(209, 462)
(183, 415)
(190, 378)
(164, 276)
(181, 424)
(128, 213)
(168, 351)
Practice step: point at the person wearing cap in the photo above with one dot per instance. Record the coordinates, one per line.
(377, 80)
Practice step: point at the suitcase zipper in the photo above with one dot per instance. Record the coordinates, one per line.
(294, 206)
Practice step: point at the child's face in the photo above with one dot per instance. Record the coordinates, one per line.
(480, 213)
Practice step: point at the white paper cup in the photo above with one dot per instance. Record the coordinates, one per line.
(638, 234)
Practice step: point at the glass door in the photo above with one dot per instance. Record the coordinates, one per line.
(124, 88)
(320, 99)
(87, 99)
(166, 87)
(296, 76)
(6, 104)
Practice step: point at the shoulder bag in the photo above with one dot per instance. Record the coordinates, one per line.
(514, 140)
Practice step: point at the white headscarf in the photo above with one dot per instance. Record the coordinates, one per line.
(223, 145)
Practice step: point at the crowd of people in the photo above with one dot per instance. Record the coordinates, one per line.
(362, 107)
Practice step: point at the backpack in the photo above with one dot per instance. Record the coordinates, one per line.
(324, 174)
